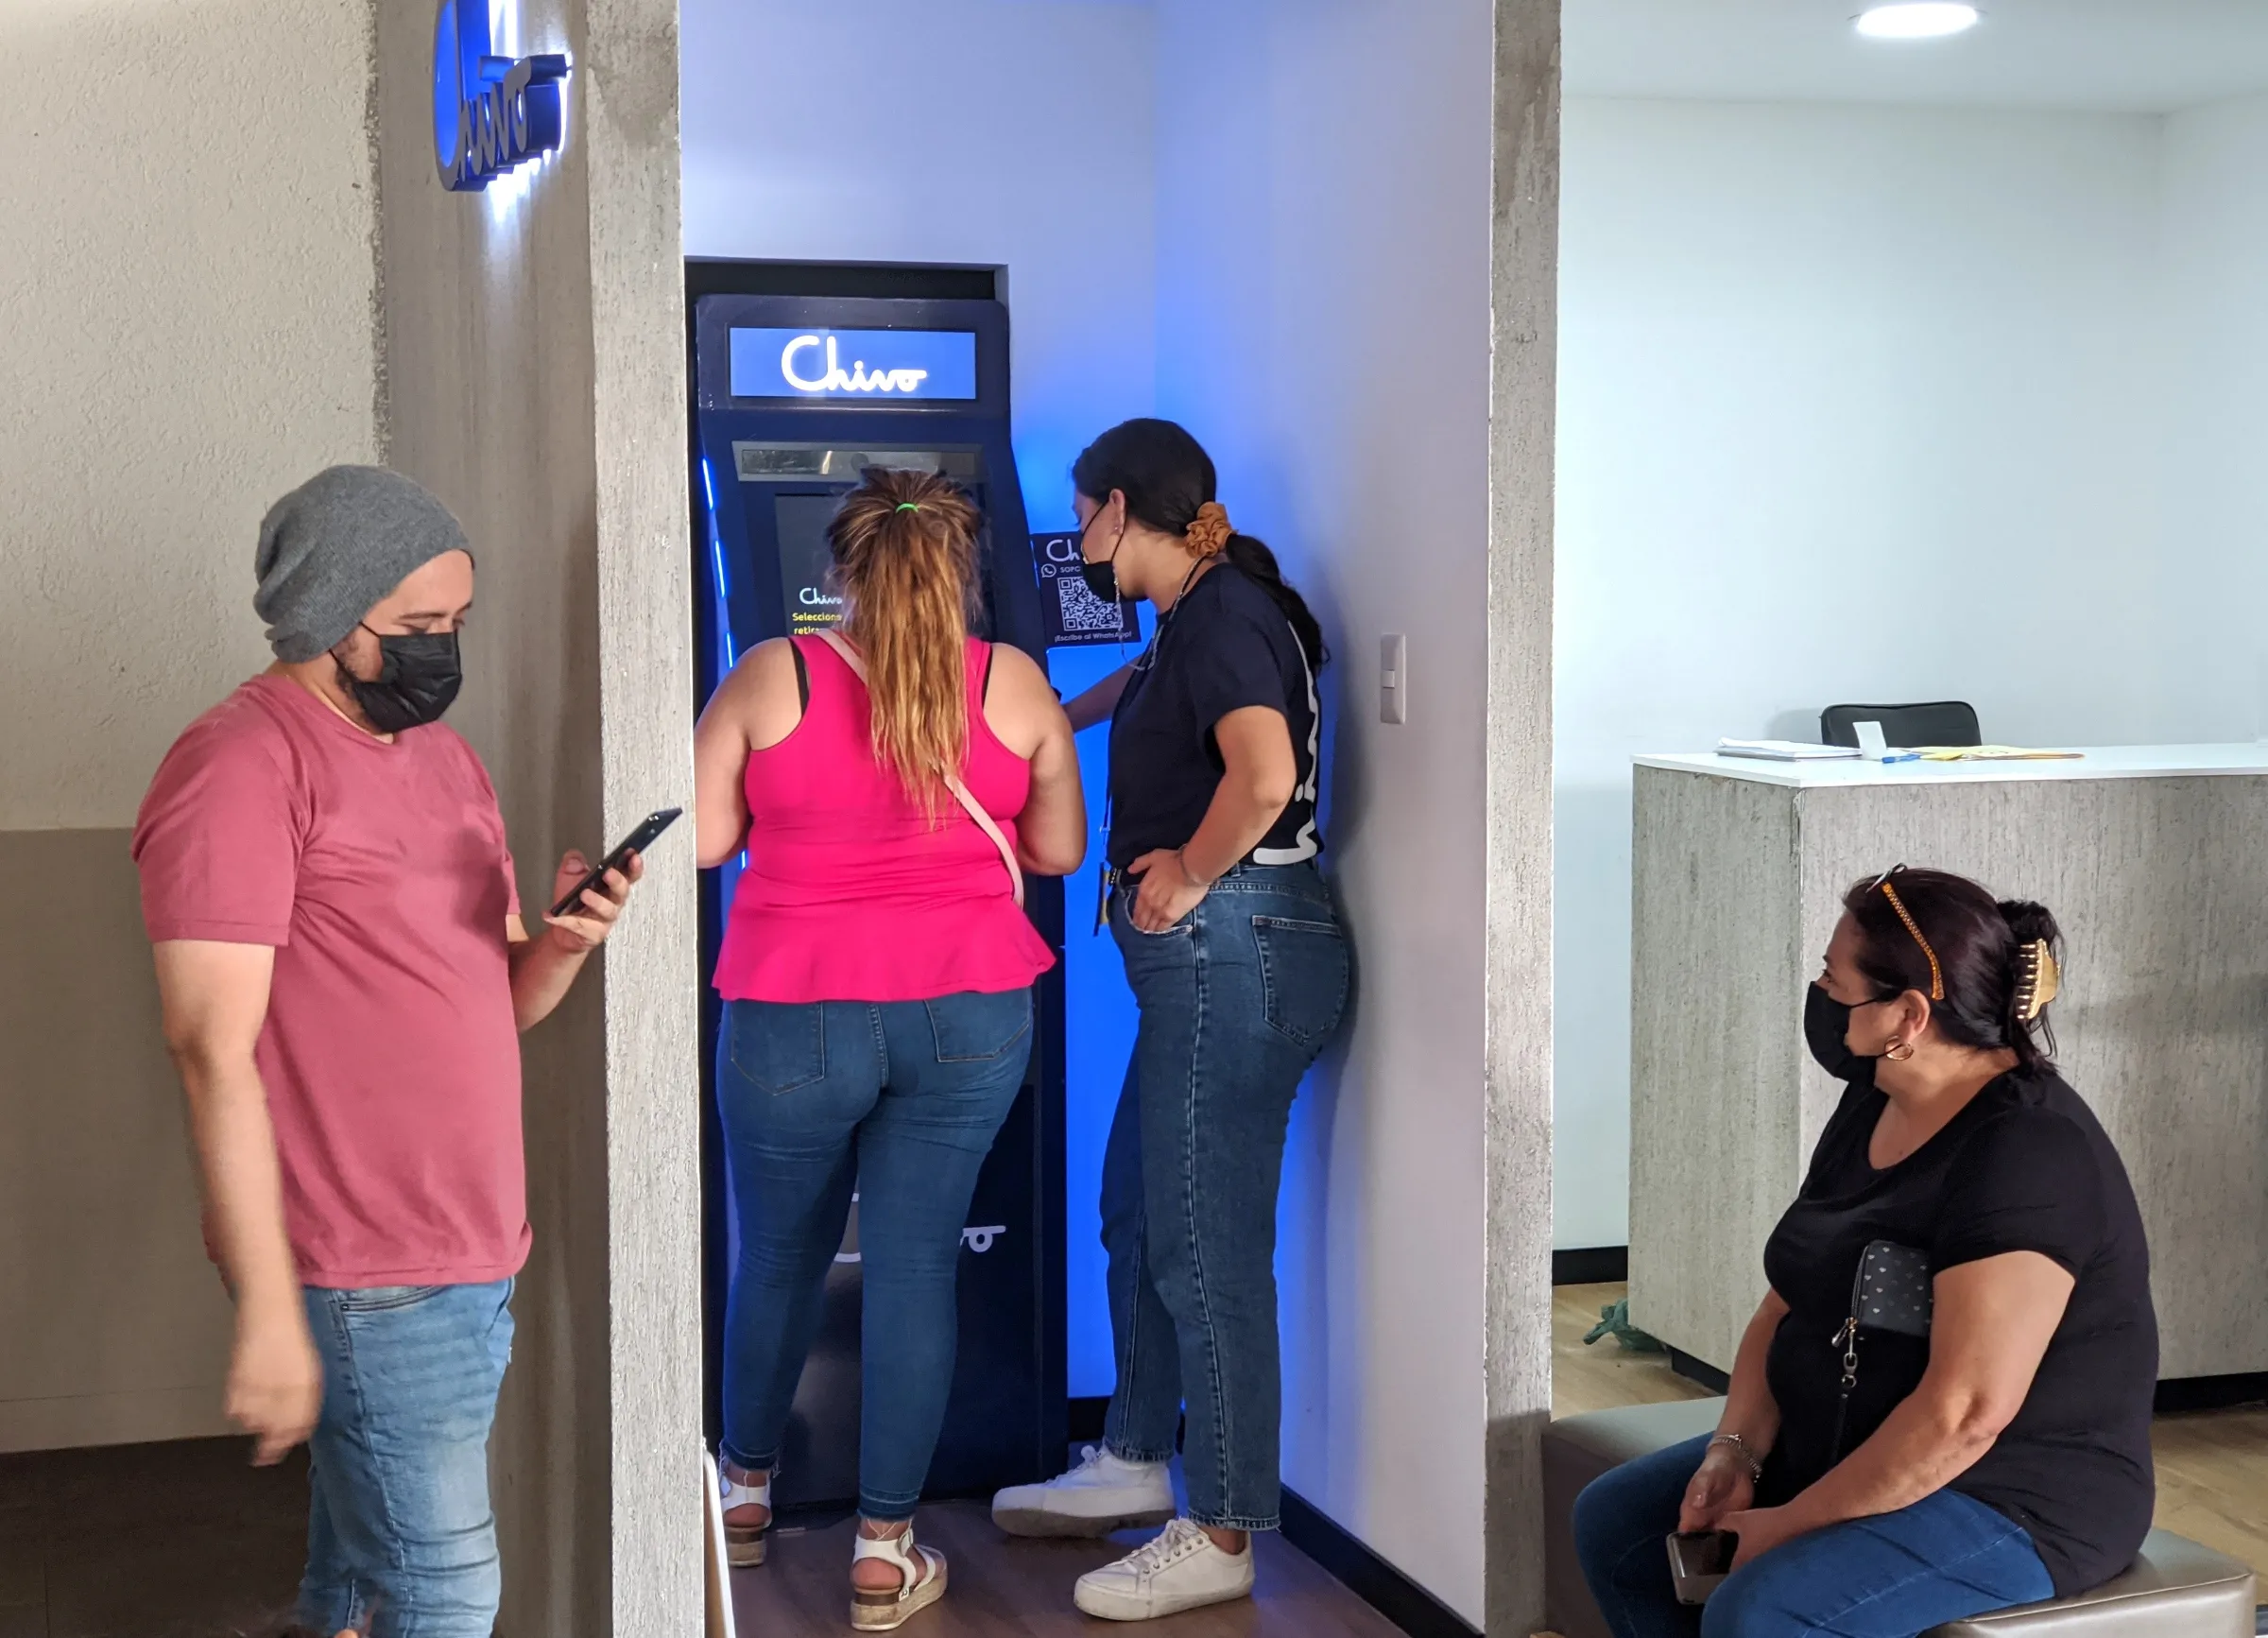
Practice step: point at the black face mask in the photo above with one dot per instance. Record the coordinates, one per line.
(1825, 1022)
(418, 675)
(1101, 578)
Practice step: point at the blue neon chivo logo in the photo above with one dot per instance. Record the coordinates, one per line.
(859, 363)
(490, 114)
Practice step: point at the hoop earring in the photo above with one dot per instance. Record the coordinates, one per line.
(1898, 1051)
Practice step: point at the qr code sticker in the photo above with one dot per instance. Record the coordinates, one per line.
(1082, 610)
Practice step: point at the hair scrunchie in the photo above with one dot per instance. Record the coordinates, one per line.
(1209, 531)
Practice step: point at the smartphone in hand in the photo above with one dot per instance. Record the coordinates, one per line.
(636, 842)
(1699, 1561)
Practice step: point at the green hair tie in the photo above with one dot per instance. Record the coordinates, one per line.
(908, 507)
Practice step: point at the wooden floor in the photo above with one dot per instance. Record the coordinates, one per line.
(185, 1541)
(2212, 1467)
(154, 1540)
(1003, 1588)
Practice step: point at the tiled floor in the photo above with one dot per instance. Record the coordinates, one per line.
(162, 1540)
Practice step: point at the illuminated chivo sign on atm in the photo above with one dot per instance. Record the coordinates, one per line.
(834, 378)
(773, 362)
(490, 113)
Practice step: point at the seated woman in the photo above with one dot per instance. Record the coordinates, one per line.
(1967, 1426)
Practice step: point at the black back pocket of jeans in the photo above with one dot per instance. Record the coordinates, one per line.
(1302, 976)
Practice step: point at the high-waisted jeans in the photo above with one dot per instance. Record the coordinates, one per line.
(1236, 1000)
(900, 1101)
(1944, 1558)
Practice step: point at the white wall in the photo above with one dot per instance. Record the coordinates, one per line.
(1865, 403)
(1014, 133)
(1324, 328)
(2216, 257)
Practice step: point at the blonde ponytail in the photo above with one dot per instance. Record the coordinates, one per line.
(904, 548)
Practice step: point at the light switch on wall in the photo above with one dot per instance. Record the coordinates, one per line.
(1394, 678)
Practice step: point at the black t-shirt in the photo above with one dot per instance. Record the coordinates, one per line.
(2025, 1167)
(1224, 646)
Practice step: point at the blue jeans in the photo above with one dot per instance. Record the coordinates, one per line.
(899, 1101)
(399, 1531)
(1943, 1558)
(1236, 1000)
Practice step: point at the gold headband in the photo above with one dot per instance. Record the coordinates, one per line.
(2038, 980)
(1209, 531)
(1936, 972)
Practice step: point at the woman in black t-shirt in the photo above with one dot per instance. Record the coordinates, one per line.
(1943, 1405)
(1239, 969)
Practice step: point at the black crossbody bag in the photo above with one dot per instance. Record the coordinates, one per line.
(1890, 1292)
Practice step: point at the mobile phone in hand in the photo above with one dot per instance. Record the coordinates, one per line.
(636, 842)
(1699, 1561)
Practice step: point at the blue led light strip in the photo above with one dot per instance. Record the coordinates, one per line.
(716, 570)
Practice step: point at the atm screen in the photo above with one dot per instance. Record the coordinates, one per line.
(804, 560)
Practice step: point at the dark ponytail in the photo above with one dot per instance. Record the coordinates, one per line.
(1166, 475)
(1981, 947)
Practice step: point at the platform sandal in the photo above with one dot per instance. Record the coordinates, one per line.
(745, 1543)
(920, 1581)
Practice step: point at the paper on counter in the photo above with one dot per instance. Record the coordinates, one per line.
(1785, 750)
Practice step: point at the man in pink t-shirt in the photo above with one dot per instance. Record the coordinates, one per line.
(345, 974)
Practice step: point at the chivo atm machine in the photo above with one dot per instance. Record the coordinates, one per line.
(802, 378)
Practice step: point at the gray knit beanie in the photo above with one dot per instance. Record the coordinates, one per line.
(332, 549)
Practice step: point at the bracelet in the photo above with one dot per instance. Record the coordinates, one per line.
(1181, 858)
(1740, 1447)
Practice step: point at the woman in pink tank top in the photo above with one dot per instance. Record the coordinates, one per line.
(889, 784)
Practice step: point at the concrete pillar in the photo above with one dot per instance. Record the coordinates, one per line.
(1524, 277)
(533, 349)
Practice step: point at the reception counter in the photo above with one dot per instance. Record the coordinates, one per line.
(2154, 858)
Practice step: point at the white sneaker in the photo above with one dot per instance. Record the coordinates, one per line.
(1181, 1570)
(1101, 1494)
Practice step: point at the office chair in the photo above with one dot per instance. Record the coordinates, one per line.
(1941, 722)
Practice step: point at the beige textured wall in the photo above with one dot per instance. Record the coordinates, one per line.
(112, 1326)
(192, 320)
(534, 358)
(187, 281)
(186, 314)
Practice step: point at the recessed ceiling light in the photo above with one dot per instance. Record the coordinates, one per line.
(1917, 20)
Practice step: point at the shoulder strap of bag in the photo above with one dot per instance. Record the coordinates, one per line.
(960, 792)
